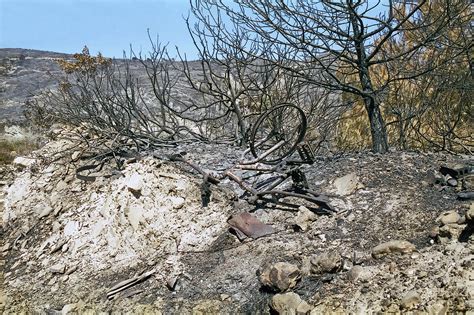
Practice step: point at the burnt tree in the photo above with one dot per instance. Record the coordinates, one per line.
(332, 44)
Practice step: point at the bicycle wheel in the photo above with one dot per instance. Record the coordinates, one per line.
(286, 124)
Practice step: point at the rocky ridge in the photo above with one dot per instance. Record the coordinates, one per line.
(26, 73)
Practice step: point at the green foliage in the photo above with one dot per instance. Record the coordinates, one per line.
(10, 149)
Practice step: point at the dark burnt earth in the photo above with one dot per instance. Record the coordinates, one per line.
(380, 198)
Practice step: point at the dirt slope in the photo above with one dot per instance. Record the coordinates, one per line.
(68, 242)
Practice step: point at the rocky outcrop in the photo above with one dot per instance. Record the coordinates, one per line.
(290, 304)
(280, 277)
(326, 262)
(139, 240)
(397, 246)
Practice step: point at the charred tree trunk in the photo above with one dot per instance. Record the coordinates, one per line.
(242, 126)
(377, 125)
(372, 106)
(371, 102)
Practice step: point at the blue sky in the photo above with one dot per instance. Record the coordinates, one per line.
(108, 26)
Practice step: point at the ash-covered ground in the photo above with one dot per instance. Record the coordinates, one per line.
(401, 241)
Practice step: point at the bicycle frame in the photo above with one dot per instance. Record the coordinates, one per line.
(283, 146)
(264, 189)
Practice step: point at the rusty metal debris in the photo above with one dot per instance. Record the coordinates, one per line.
(271, 148)
(245, 225)
(456, 172)
(449, 177)
(180, 157)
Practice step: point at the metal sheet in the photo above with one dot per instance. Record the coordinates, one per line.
(246, 225)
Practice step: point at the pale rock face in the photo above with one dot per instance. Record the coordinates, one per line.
(449, 217)
(135, 183)
(107, 228)
(135, 215)
(396, 246)
(16, 193)
(71, 228)
(346, 185)
(23, 161)
(280, 277)
(290, 304)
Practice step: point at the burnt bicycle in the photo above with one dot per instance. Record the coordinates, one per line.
(265, 177)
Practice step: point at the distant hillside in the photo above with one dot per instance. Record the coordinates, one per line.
(23, 73)
(32, 53)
